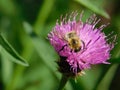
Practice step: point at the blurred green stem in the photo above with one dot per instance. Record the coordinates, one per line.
(43, 15)
(63, 81)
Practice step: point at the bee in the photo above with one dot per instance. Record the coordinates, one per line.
(73, 41)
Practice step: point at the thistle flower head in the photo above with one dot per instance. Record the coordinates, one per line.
(80, 44)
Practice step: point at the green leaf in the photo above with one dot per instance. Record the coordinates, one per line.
(6, 69)
(107, 78)
(8, 49)
(94, 7)
(7, 10)
(43, 48)
(114, 60)
(89, 79)
(43, 14)
(37, 77)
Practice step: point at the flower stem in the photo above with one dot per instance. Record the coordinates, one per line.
(63, 81)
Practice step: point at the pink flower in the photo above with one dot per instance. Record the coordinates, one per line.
(80, 44)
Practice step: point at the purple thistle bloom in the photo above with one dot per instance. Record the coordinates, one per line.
(79, 44)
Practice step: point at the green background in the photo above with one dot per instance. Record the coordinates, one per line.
(28, 61)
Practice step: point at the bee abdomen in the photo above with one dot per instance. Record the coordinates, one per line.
(77, 49)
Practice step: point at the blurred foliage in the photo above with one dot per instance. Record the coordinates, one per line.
(24, 25)
(7, 48)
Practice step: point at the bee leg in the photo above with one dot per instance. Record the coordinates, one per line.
(84, 47)
(62, 47)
